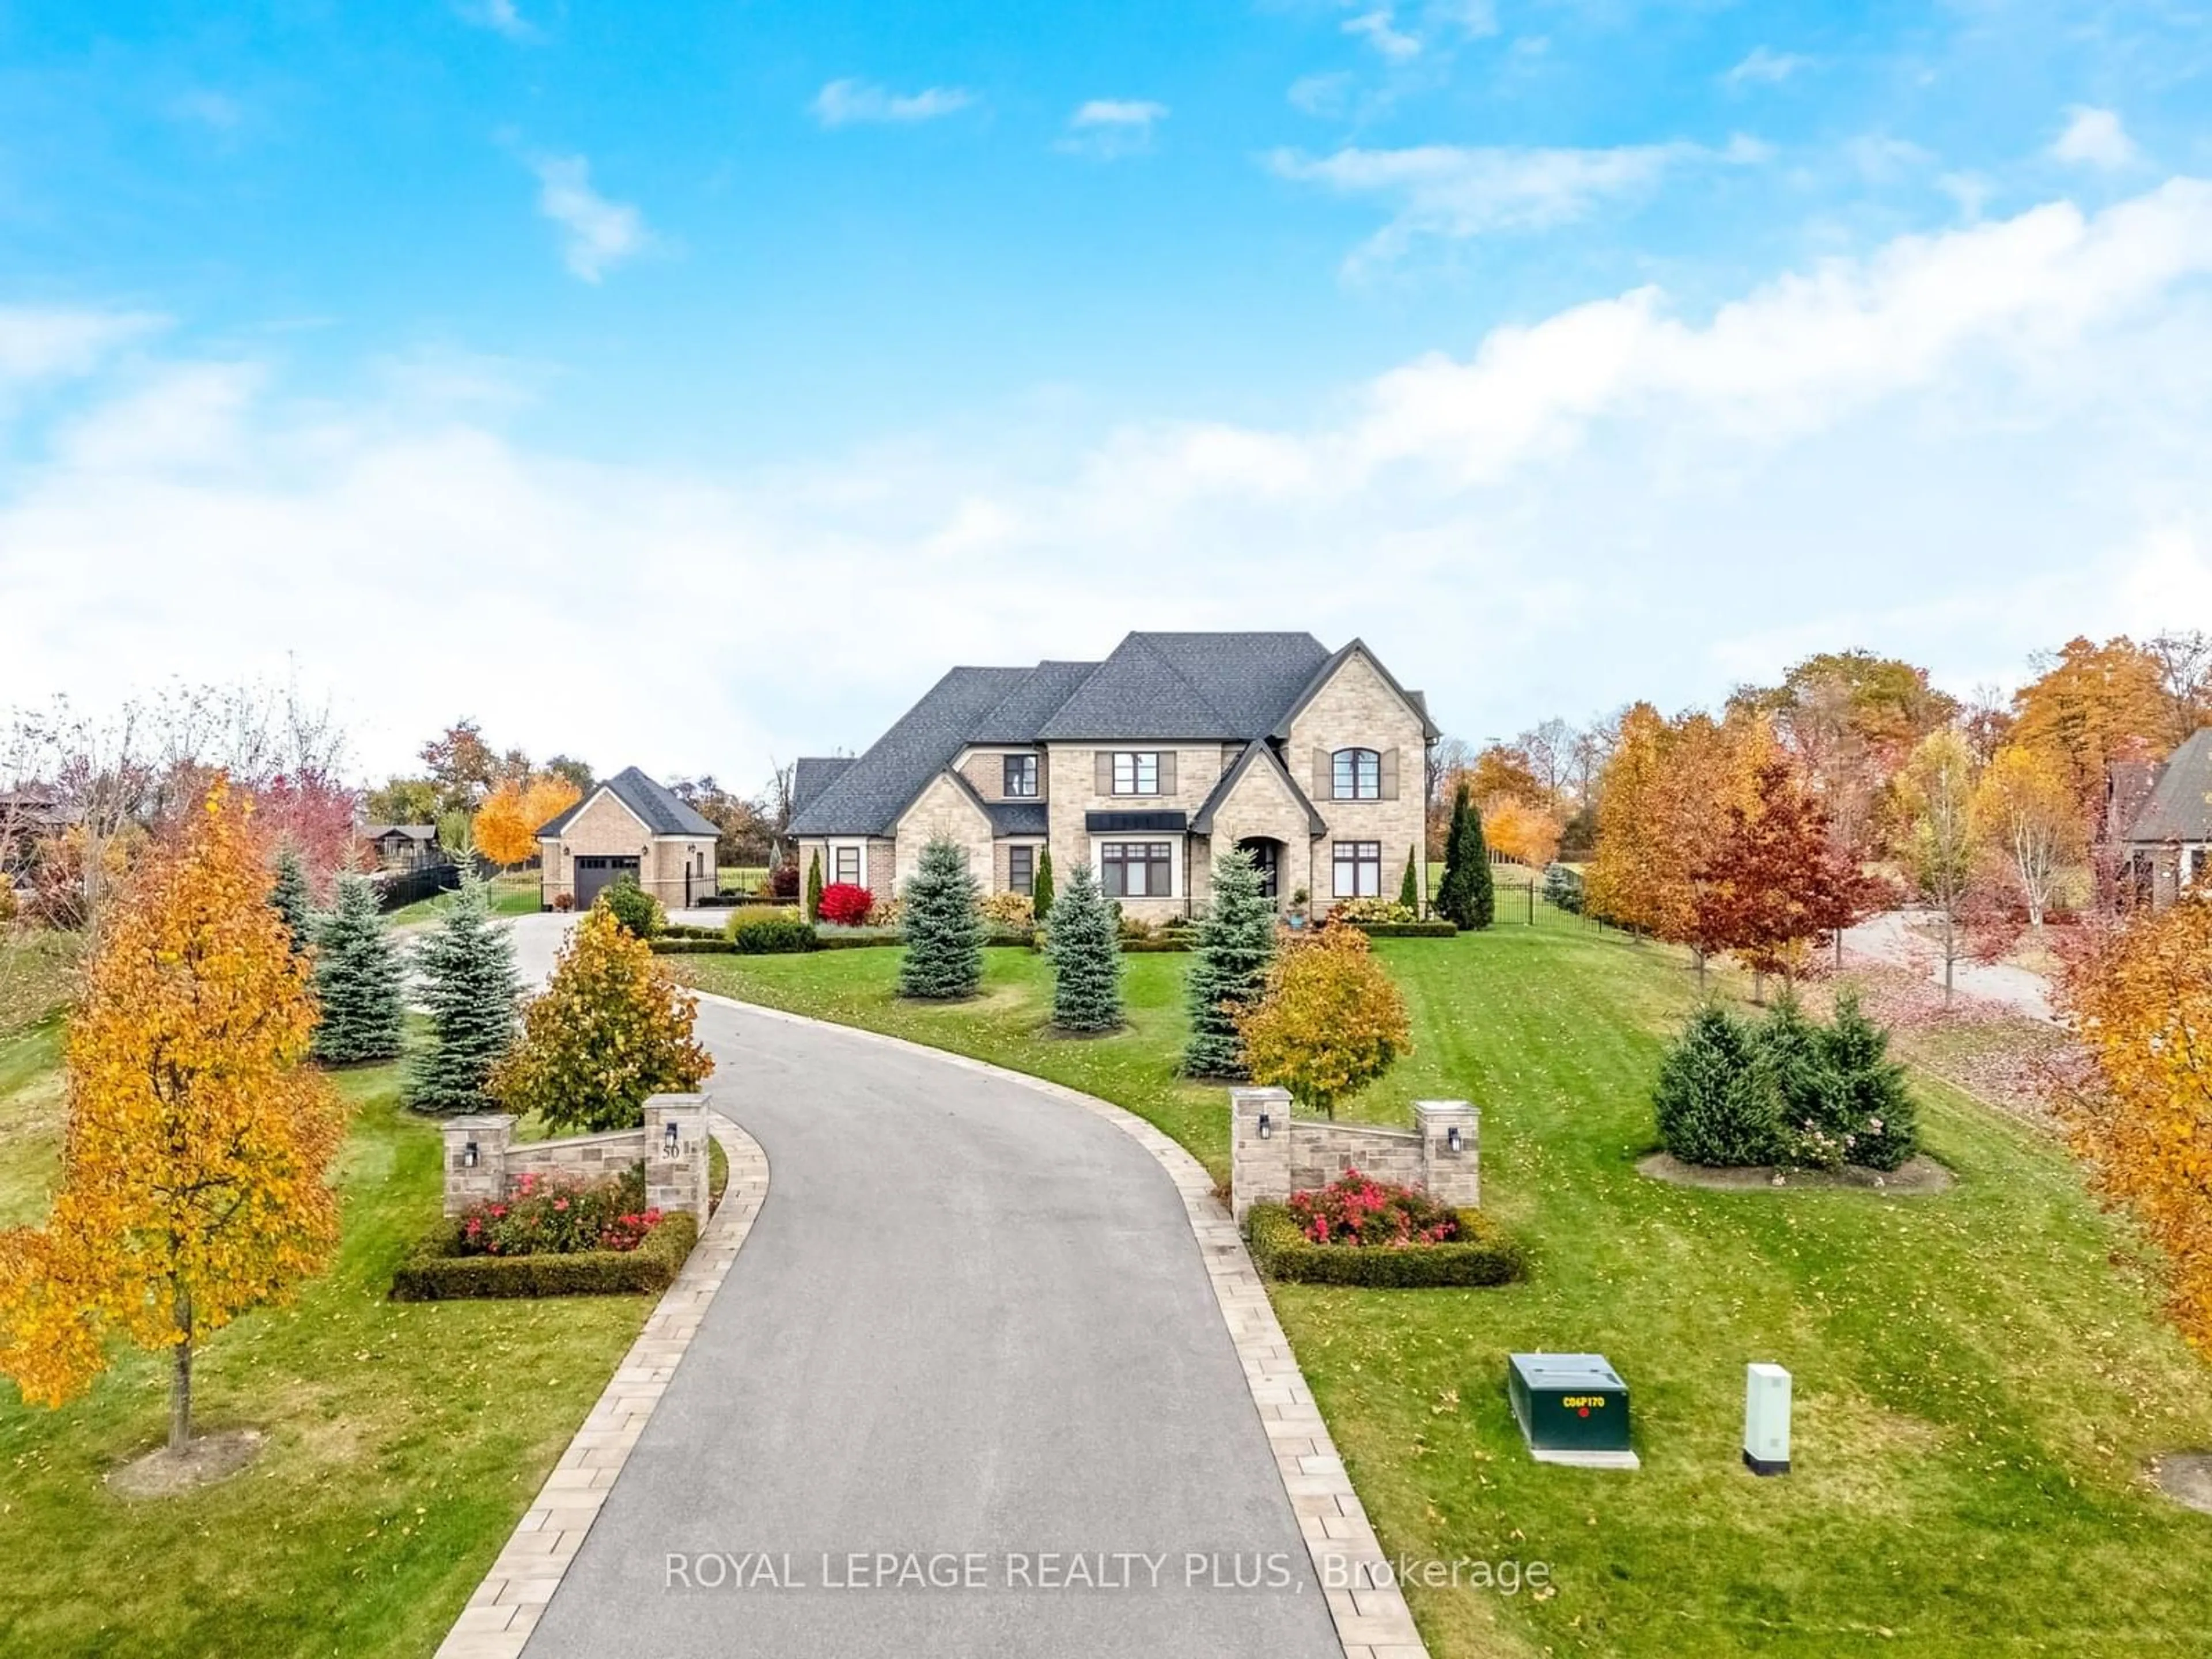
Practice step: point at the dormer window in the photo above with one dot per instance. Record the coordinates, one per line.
(1356, 775)
(1021, 777)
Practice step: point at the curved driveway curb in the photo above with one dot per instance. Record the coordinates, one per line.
(1371, 1618)
(505, 1609)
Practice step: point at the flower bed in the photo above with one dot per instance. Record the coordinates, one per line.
(551, 1236)
(1360, 1231)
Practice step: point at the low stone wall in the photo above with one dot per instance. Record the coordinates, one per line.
(483, 1161)
(1273, 1154)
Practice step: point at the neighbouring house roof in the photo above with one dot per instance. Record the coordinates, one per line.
(867, 797)
(1255, 753)
(659, 811)
(1228, 688)
(811, 775)
(2179, 809)
(411, 831)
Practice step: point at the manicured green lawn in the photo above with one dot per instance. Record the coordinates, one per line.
(405, 1439)
(516, 893)
(1980, 1376)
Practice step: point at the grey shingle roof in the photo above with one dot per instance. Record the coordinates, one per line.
(2178, 808)
(1223, 686)
(660, 811)
(811, 775)
(867, 797)
(1024, 710)
(1255, 753)
(412, 831)
(1017, 818)
(1210, 687)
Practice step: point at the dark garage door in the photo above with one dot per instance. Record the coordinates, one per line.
(592, 874)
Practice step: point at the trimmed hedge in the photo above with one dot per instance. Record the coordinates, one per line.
(1408, 929)
(749, 941)
(431, 1275)
(685, 930)
(690, 947)
(1482, 1255)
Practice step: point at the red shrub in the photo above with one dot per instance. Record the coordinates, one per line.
(1357, 1209)
(845, 904)
(783, 881)
(552, 1215)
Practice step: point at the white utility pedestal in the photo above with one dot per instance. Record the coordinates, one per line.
(1766, 1419)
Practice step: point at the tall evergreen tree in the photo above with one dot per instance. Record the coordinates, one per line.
(356, 980)
(470, 986)
(1716, 1105)
(1041, 894)
(1085, 950)
(944, 927)
(1229, 964)
(813, 912)
(1870, 1096)
(1409, 886)
(1468, 894)
(291, 900)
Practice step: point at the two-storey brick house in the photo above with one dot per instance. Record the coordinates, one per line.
(1141, 767)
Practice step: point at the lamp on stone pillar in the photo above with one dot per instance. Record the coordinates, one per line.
(1260, 1136)
(1451, 1155)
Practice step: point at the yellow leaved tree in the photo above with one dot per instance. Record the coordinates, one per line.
(1331, 1023)
(506, 825)
(194, 1174)
(2142, 1000)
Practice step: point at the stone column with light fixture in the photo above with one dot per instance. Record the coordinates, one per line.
(1451, 1154)
(1259, 1148)
(676, 1153)
(476, 1158)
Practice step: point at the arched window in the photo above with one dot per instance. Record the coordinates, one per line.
(1358, 774)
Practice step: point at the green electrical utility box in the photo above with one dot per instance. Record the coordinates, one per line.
(1572, 1409)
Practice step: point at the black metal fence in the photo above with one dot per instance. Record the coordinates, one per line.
(402, 888)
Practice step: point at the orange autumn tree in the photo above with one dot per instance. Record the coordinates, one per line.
(1511, 826)
(505, 826)
(194, 1174)
(2141, 999)
(1331, 1022)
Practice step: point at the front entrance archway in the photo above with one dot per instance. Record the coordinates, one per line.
(1267, 858)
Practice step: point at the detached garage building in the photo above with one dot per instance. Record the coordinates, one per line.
(626, 826)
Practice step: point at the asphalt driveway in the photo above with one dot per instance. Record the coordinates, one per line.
(966, 1391)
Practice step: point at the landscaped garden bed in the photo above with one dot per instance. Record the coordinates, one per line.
(552, 1237)
(1360, 1231)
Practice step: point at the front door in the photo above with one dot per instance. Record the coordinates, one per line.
(594, 873)
(1267, 859)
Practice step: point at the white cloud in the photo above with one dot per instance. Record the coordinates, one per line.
(1472, 20)
(500, 16)
(1764, 66)
(1454, 192)
(597, 234)
(1108, 127)
(844, 103)
(2094, 137)
(1959, 446)
(1378, 29)
(45, 342)
(1321, 94)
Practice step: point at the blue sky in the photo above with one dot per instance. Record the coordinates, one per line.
(763, 359)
